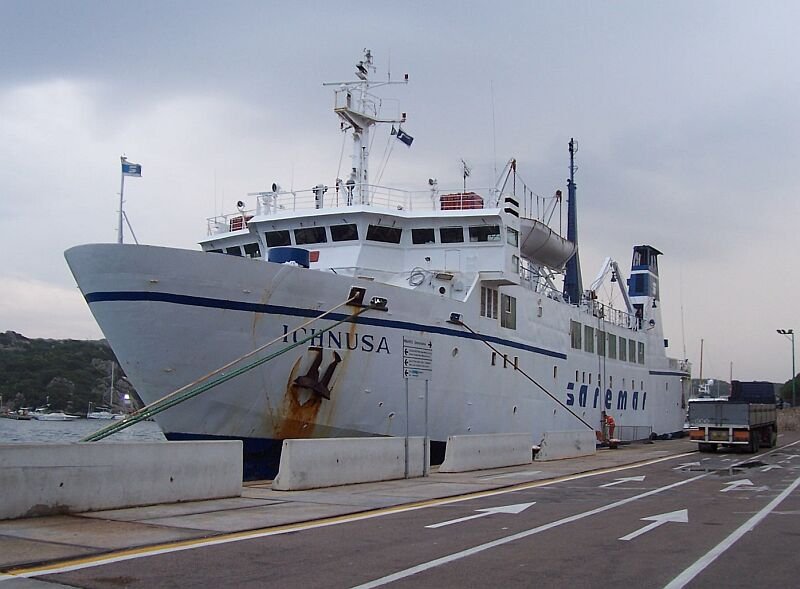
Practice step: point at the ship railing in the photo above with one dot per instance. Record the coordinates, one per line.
(533, 280)
(609, 314)
(633, 433)
(341, 194)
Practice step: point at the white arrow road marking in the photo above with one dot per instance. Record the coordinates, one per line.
(686, 465)
(736, 484)
(770, 467)
(638, 479)
(518, 508)
(680, 516)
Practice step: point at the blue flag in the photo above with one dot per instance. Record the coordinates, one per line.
(405, 137)
(129, 169)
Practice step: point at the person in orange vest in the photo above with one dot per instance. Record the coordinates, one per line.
(608, 424)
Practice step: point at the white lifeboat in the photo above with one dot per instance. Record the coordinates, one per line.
(541, 244)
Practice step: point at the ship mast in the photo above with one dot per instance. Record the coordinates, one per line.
(573, 285)
(359, 111)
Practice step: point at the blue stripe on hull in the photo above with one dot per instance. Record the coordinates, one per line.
(164, 297)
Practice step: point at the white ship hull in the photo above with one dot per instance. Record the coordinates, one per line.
(172, 316)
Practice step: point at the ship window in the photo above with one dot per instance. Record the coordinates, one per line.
(484, 233)
(488, 302)
(575, 336)
(508, 318)
(588, 338)
(631, 351)
(348, 232)
(421, 236)
(610, 382)
(601, 343)
(576, 376)
(233, 251)
(641, 352)
(384, 234)
(252, 250)
(612, 346)
(310, 235)
(555, 372)
(277, 238)
(512, 237)
(214, 251)
(623, 349)
(451, 234)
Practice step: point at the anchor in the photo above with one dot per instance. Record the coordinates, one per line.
(311, 379)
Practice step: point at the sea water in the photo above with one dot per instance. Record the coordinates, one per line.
(14, 431)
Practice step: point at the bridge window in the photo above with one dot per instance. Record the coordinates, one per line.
(512, 237)
(422, 236)
(347, 232)
(489, 302)
(623, 349)
(588, 339)
(384, 234)
(612, 346)
(631, 350)
(641, 352)
(251, 250)
(508, 318)
(310, 235)
(451, 234)
(233, 251)
(484, 233)
(601, 343)
(277, 238)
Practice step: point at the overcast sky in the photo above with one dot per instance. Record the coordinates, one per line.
(686, 113)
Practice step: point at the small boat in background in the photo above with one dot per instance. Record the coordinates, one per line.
(44, 414)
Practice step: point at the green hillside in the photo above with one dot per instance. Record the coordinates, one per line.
(67, 374)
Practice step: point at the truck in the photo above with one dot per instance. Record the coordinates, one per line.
(747, 419)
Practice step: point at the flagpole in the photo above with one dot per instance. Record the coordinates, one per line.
(121, 191)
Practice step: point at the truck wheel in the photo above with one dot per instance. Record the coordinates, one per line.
(707, 447)
(755, 437)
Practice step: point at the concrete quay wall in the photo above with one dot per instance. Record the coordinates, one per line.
(558, 445)
(329, 462)
(46, 479)
(479, 451)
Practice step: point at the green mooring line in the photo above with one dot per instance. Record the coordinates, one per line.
(164, 404)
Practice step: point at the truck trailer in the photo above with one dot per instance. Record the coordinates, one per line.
(747, 419)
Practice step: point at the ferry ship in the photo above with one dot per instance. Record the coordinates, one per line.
(462, 311)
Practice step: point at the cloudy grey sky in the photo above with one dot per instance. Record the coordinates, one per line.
(685, 111)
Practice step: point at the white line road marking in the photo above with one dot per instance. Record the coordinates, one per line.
(686, 465)
(509, 475)
(770, 467)
(638, 479)
(681, 516)
(518, 508)
(700, 565)
(543, 528)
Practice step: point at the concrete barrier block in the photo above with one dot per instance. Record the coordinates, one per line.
(328, 462)
(479, 451)
(557, 445)
(46, 479)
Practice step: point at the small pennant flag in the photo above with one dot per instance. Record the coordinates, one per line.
(405, 137)
(130, 169)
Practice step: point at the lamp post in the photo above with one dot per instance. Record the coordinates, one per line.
(789, 333)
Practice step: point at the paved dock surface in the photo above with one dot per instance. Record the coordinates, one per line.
(577, 521)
